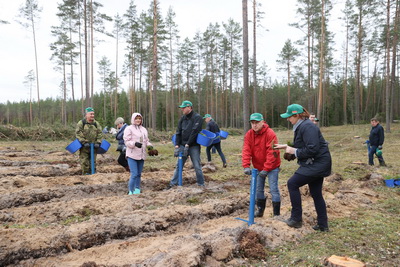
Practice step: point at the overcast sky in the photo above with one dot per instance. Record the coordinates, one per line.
(17, 53)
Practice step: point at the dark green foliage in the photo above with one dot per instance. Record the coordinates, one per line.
(37, 133)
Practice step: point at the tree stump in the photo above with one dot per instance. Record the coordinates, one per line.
(337, 261)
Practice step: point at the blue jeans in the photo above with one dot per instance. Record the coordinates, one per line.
(273, 186)
(315, 186)
(218, 147)
(136, 167)
(371, 153)
(194, 153)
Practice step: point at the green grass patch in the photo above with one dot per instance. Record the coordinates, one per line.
(83, 215)
(193, 200)
(371, 236)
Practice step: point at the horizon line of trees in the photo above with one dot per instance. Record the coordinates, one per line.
(213, 68)
(271, 101)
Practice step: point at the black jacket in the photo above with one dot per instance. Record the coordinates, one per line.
(376, 136)
(212, 126)
(120, 135)
(313, 154)
(188, 127)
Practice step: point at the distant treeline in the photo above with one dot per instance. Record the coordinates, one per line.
(228, 108)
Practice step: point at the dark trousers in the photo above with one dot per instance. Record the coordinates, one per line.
(218, 147)
(315, 186)
(122, 160)
(371, 153)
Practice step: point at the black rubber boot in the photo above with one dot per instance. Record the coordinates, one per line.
(277, 208)
(292, 223)
(261, 207)
(382, 163)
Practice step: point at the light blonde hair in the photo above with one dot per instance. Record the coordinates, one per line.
(119, 120)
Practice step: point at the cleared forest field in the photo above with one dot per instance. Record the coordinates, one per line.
(51, 215)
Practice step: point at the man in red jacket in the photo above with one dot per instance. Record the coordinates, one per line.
(258, 150)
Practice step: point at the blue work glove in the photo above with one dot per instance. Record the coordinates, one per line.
(263, 174)
(176, 152)
(86, 145)
(139, 145)
(247, 171)
(186, 151)
(96, 145)
(380, 147)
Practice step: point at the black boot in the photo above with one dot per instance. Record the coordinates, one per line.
(261, 208)
(277, 208)
(382, 163)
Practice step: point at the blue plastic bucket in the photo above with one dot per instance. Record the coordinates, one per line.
(217, 139)
(104, 146)
(223, 134)
(74, 146)
(205, 138)
(389, 182)
(392, 182)
(173, 139)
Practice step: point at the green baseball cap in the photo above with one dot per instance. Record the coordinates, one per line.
(291, 110)
(185, 104)
(256, 117)
(207, 116)
(89, 109)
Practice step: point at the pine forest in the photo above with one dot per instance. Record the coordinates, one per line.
(217, 69)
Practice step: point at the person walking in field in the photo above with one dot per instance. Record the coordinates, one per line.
(212, 126)
(315, 163)
(88, 131)
(189, 126)
(136, 140)
(258, 149)
(376, 139)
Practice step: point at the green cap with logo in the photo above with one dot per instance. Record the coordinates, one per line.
(207, 116)
(256, 117)
(291, 110)
(89, 109)
(185, 104)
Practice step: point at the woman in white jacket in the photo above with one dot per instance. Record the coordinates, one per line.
(136, 141)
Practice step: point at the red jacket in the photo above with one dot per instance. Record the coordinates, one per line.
(258, 150)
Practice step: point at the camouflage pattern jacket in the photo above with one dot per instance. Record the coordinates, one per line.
(88, 132)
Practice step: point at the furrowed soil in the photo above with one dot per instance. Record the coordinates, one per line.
(51, 215)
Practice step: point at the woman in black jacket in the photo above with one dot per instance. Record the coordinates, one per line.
(315, 163)
(121, 125)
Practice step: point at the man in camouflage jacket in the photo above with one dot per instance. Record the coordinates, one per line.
(88, 131)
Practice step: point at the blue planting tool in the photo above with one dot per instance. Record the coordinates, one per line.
(254, 175)
(92, 157)
(180, 168)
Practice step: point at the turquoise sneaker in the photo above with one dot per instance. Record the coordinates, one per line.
(137, 191)
(130, 193)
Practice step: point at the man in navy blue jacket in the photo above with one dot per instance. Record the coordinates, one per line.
(189, 126)
(376, 139)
